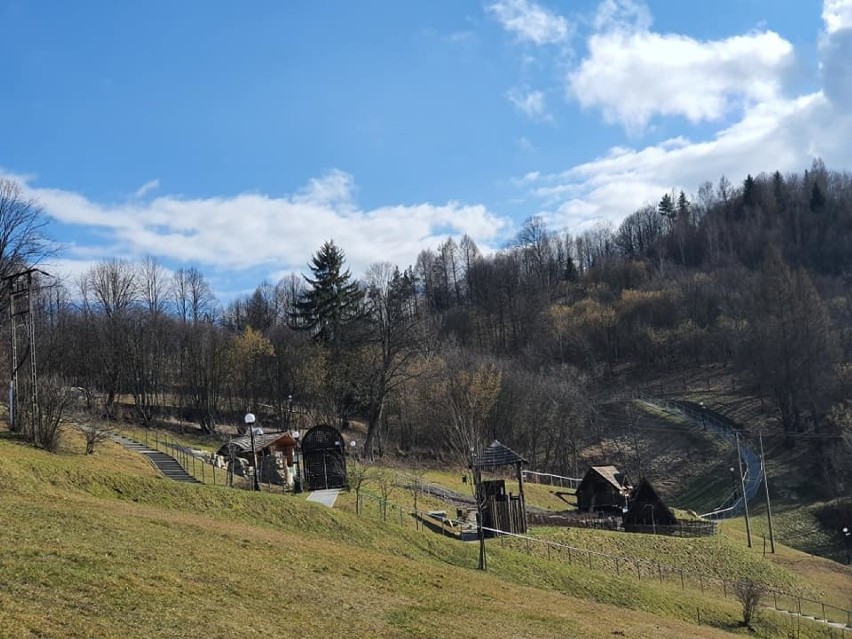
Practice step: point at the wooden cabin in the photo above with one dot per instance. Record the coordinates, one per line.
(275, 454)
(647, 512)
(603, 488)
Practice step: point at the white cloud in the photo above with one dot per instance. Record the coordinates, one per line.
(836, 52)
(531, 103)
(782, 135)
(773, 133)
(255, 230)
(622, 15)
(525, 144)
(530, 21)
(633, 76)
(68, 270)
(837, 15)
(151, 185)
(527, 179)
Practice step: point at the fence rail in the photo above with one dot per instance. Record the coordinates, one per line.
(550, 479)
(193, 461)
(628, 567)
(643, 569)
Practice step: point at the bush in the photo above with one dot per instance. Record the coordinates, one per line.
(54, 403)
(749, 594)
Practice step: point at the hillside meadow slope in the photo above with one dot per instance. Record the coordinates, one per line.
(100, 546)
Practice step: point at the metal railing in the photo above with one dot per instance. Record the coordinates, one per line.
(551, 479)
(706, 420)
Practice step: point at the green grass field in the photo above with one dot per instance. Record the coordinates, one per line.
(100, 546)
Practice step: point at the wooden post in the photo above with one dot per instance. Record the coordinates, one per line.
(521, 495)
(768, 504)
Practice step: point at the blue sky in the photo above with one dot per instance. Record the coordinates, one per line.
(237, 137)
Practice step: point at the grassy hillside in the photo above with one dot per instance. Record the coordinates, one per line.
(99, 546)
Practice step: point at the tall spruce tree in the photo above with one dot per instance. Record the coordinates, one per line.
(333, 301)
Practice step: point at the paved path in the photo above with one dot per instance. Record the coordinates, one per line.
(325, 497)
(166, 464)
(723, 428)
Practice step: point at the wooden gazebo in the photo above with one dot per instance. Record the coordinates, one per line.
(323, 458)
(500, 510)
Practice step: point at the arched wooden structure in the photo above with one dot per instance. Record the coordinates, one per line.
(323, 458)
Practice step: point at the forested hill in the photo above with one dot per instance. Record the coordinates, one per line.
(753, 278)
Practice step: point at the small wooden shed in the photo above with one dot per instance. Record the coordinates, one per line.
(263, 445)
(275, 454)
(500, 510)
(324, 458)
(603, 488)
(647, 511)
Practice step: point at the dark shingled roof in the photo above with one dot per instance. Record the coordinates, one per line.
(498, 455)
(243, 444)
(612, 475)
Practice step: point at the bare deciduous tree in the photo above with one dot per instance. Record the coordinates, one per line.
(55, 401)
(21, 223)
(394, 337)
(94, 432)
(358, 475)
(749, 593)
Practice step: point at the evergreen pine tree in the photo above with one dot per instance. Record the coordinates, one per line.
(332, 301)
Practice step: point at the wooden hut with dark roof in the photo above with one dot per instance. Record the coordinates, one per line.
(647, 512)
(500, 510)
(603, 488)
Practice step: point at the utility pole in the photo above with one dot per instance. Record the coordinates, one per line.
(766, 488)
(23, 389)
(742, 486)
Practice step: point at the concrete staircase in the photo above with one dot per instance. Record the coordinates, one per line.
(166, 464)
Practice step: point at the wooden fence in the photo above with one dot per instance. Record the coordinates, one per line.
(642, 569)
